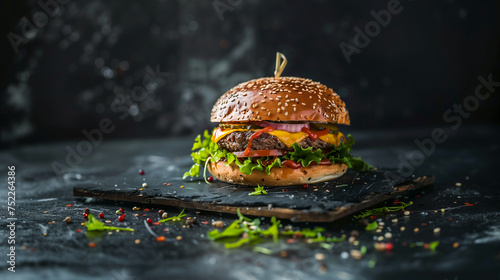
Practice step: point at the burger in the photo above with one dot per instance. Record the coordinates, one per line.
(276, 131)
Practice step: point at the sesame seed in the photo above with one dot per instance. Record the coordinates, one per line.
(279, 110)
(286, 113)
(279, 103)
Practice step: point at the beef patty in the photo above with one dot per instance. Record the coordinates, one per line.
(238, 141)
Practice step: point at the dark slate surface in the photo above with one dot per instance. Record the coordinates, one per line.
(467, 157)
(351, 188)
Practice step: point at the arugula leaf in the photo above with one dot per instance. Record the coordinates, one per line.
(258, 191)
(177, 218)
(95, 225)
(382, 210)
(245, 231)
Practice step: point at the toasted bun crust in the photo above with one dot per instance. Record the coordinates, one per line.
(281, 99)
(283, 176)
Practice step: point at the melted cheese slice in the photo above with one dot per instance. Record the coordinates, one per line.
(288, 138)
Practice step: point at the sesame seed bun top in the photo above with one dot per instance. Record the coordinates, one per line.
(283, 99)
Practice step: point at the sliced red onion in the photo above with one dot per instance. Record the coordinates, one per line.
(284, 126)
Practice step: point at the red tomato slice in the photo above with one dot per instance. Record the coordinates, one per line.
(260, 153)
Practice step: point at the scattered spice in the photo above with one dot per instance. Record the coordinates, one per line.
(182, 187)
(394, 220)
(78, 230)
(388, 235)
(458, 184)
(122, 210)
(92, 244)
(135, 208)
(164, 184)
(407, 213)
(416, 229)
(437, 230)
(388, 246)
(160, 238)
(85, 216)
(468, 204)
(141, 172)
(121, 218)
(149, 221)
(101, 215)
(87, 211)
(164, 215)
(210, 179)
(442, 210)
(144, 185)
(160, 212)
(118, 212)
(179, 237)
(456, 244)
(67, 220)
(137, 241)
(402, 228)
(69, 205)
(305, 186)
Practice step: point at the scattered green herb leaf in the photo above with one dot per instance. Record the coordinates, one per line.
(95, 225)
(363, 250)
(433, 245)
(247, 231)
(262, 250)
(383, 210)
(371, 226)
(258, 191)
(176, 218)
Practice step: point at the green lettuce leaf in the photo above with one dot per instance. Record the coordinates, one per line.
(205, 149)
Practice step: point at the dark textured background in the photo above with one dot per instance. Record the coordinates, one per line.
(84, 63)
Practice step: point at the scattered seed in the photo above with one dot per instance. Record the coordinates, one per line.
(380, 238)
(407, 213)
(179, 237)
(164, 215)
(218, 224)
(437, 230)
(416, 229)
(458, 184)
(67, 220)
(356, 254)
(402, 228)
(455, 245)
(135, 208)
(319, 256)
(388, 235)
(394, 220)
(144, 185)
(137, 241)
(442, 210)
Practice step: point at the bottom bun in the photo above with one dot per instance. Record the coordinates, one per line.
(280, 176)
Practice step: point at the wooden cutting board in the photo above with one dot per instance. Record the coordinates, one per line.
(321, 202)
